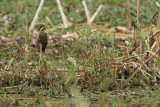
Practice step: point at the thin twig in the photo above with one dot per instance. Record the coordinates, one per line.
(36, 15)
(48, 20)
(64, 89)
(21, 87)
(12, 87)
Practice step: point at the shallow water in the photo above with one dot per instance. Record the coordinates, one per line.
(45, 99)
(116, 98)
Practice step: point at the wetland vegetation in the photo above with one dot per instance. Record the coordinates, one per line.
(110, 60)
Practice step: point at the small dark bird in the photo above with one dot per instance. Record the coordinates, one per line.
(43, 38)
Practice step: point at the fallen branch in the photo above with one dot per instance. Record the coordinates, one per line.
(90, 19)
(27, 98)
(65, 21)
(36, 16)
(12, 87)
(158, 4)
(95, 14)
(86, 10)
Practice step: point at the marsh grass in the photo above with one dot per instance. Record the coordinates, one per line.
(100, 63)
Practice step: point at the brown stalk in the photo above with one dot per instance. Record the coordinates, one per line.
(128, 16)
(26, 38)
(40, 58)
(138, 15)
(158, 23)
(139, 24)
(151, 57)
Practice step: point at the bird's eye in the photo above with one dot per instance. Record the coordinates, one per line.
(41, 28)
